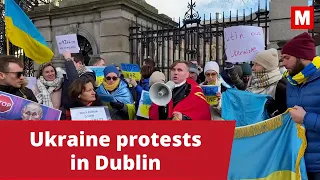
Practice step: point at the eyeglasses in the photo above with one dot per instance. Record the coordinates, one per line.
(211, 74)
(113, 78)
(18, 74)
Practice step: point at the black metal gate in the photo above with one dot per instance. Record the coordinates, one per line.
(193, 39)
(13, 50)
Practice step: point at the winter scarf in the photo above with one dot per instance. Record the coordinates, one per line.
(82, 70)
(46, 88)
(264, 82)
(111, 87)
(303, 76)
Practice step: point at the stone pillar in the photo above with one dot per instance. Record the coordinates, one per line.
(280, 25)
(114, 37)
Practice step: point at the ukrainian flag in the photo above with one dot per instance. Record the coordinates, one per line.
(22, 33)
(244, 107)
(269, 150)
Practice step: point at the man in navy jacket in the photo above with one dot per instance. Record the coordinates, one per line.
(303, 94)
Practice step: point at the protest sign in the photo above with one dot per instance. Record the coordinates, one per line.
(131, 71)
(16, 108)
(32, 82)
(144, 104)
(99, 73)
(210, 92)
(67, 42)
(90, 113)
(242, 43)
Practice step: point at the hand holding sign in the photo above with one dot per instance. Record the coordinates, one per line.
(144, 105)
(67, 42)
(131, 71)
(212, 94)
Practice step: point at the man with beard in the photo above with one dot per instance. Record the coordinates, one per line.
(303, 94)
(188, 101)
(12, 78)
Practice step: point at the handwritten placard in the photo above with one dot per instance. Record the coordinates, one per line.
(210, 92)
(67, 42)
(242, 43)
(99, 73)
(144, 104)
(90, 114)
(131, 71)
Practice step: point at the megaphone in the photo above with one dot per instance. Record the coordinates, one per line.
(161, 93)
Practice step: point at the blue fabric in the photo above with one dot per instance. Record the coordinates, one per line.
(110, 69)
(261, 155)
(243, 107)
(144, 85)
(308, 96)
(19, 20)
(121, 94)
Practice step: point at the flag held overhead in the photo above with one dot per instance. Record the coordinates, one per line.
(22, 33)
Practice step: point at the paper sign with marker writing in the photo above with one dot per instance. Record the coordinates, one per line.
(67, 42)
(90, 114)
(144, 104)
(242, 43)
(99, 73)
(210, 92)
(131, 71)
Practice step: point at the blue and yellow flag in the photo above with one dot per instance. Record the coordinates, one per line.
(269, 150)
(22, 33)
(244, 107)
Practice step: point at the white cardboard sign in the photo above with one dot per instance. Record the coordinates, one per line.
(91, 113)
(67, 42)
(242, 43)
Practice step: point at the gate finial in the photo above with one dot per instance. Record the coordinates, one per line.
(191, 16)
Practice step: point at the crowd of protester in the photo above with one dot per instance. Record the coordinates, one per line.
(290, 81)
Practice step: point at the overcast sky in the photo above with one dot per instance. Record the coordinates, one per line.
(177, 8)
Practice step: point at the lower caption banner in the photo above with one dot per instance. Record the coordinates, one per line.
(115, 150)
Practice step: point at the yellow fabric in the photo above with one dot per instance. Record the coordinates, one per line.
(269, 125)
(278, 175)
(131, 111)
(300, 78)
(111, 87)
(258, 128)
(212, 83)
(302, 136)
(33, 49)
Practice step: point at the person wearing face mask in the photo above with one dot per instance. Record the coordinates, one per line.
(114, 93)
(267, 79)
(82, 94)
(303, 94)
(48, 87)
(12, 78)
(188, 101)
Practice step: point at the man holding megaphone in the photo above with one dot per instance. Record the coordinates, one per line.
(179, 99)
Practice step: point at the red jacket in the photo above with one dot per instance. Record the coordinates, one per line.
(194, 106)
